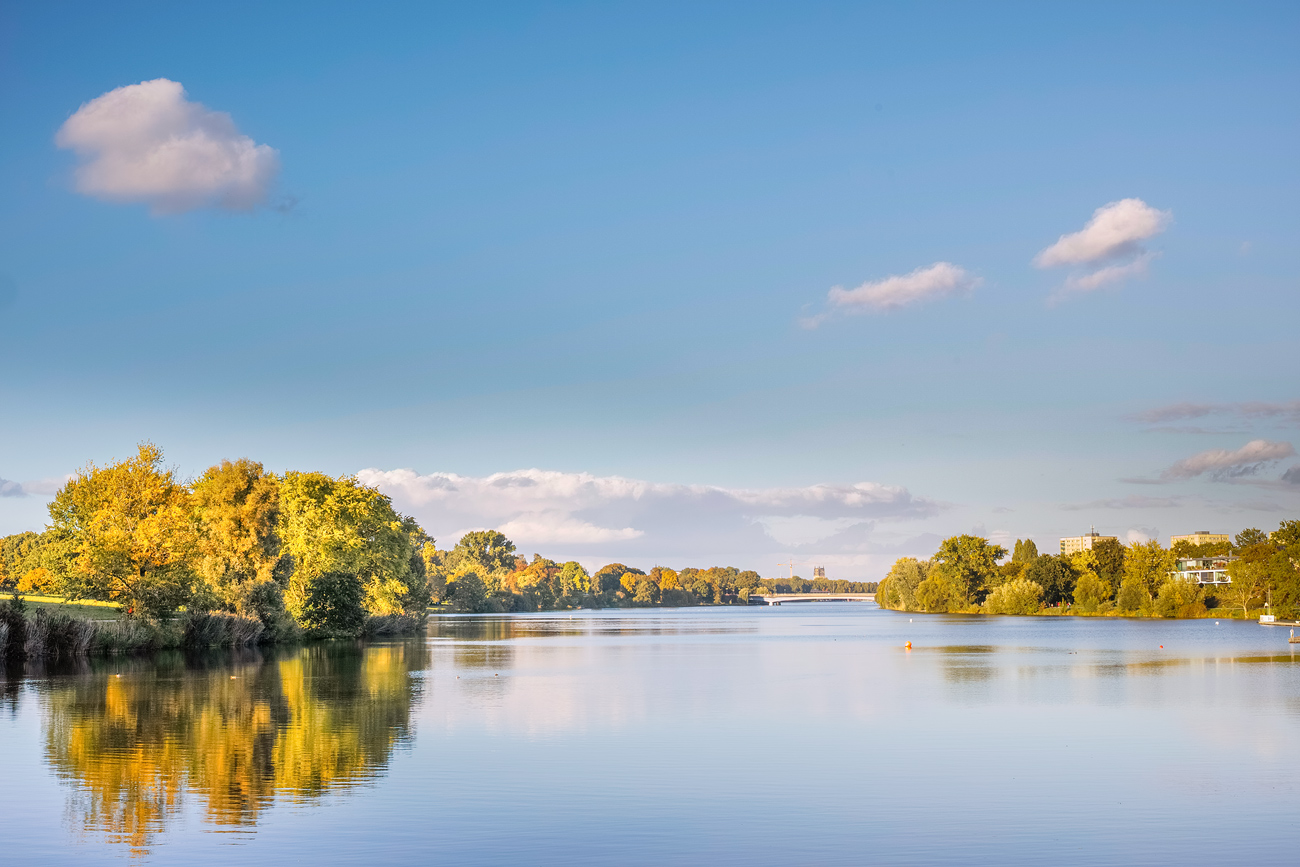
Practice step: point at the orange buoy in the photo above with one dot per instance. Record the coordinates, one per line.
(1162, 647)
(908, 645)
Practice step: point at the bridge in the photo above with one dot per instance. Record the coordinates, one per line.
(826, 596)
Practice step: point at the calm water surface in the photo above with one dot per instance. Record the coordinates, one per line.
(803, 734)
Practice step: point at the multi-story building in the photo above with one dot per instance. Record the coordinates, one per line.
(1203, 570)
(1200, 537)
(819, 572)
(1075, 544)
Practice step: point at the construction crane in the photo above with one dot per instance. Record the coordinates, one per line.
(791, 564)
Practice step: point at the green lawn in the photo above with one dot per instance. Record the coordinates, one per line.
(89, 609)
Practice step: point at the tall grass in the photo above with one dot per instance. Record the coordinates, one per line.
(205, 629)
(382, 625)
(57, 635)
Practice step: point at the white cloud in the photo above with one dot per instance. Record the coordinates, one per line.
(11, 489)
(1245, 461)
(1108, 247)
(1113, 232)
(899, 290)
(147, 143)
(1109, 274)
(602, 518)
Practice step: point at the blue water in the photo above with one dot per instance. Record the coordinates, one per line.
(804, 734)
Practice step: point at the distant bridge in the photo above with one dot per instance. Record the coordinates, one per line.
(778, 598)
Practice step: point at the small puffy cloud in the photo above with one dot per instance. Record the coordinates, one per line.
(604, 518)
(1224, 464)
(11, 489)
(900, 290)
(147, 143)
(1113, 232)
(1292, 476)
(1108, 249)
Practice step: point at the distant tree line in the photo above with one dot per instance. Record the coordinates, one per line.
(968, 575)
(309, 552)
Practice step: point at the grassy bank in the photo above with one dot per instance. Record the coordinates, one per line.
(33, 629)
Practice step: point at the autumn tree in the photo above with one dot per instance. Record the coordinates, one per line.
(237, 512)
(124, 532)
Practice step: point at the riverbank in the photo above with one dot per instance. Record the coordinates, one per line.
(31, 629)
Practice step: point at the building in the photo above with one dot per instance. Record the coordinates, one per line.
(1200, 537)
(1203, 570)
(819, 572)
(1075, 544)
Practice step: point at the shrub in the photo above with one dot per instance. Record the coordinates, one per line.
(331, 606)
(1017, 596)
(14, 624)
(264, 600)
(934, 595)
(1132, 597)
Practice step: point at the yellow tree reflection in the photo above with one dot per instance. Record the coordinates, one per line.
(317, 719)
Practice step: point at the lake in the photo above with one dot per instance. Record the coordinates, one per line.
(799, 734)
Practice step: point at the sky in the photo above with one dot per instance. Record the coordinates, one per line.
(679, 284)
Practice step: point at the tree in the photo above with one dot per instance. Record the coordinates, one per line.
(574, 580)
(969, 564)
(1025, 552)
(936, 594)
(1054, 575)
(237, 513)
(1146, 566)
(486, 548)
(1250, 576)
(330, 605)
(341, 525)
(1250, 537)
(14, 551)
(1179, 597)
(1091, 591)
(898, 589)
(1287, 535)
(1109, 557)
(1018, 596)
(609, 578)
(468, 593)
(647, 592)
(124, 532)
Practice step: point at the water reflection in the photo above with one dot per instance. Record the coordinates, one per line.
(237, 731)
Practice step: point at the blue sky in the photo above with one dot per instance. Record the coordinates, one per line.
(581, 238)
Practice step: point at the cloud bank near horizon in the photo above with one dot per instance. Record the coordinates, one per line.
(1224, 464)
(589, 518)
(147, 143)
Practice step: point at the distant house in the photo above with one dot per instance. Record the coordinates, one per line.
(1075, 544)
(1203, 570)
(1200, 537)
(819, 572)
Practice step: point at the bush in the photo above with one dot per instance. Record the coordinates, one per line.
(132, 635)
(14, 625)
(1018, 596)
(934, 595)
(264, 600)
(331, 606)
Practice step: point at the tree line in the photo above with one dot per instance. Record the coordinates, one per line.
(307, 551)
(966, 575)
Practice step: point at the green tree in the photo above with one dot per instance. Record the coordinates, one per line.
(331, 605)
(1054, 575)
(124, 532)
(647, 592)
(1025, 552)
(1146, 566)
(1250, 537)
(1251, 576)
(936, 594)
(969, 564)
(898, 589)
(14, 551)
(1109, 557)
(1091, 591)
(1179, 597)
(574, 580)
(488, 549)
(469, 593)
(341, 525)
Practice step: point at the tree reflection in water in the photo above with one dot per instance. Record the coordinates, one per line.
(237, 731)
